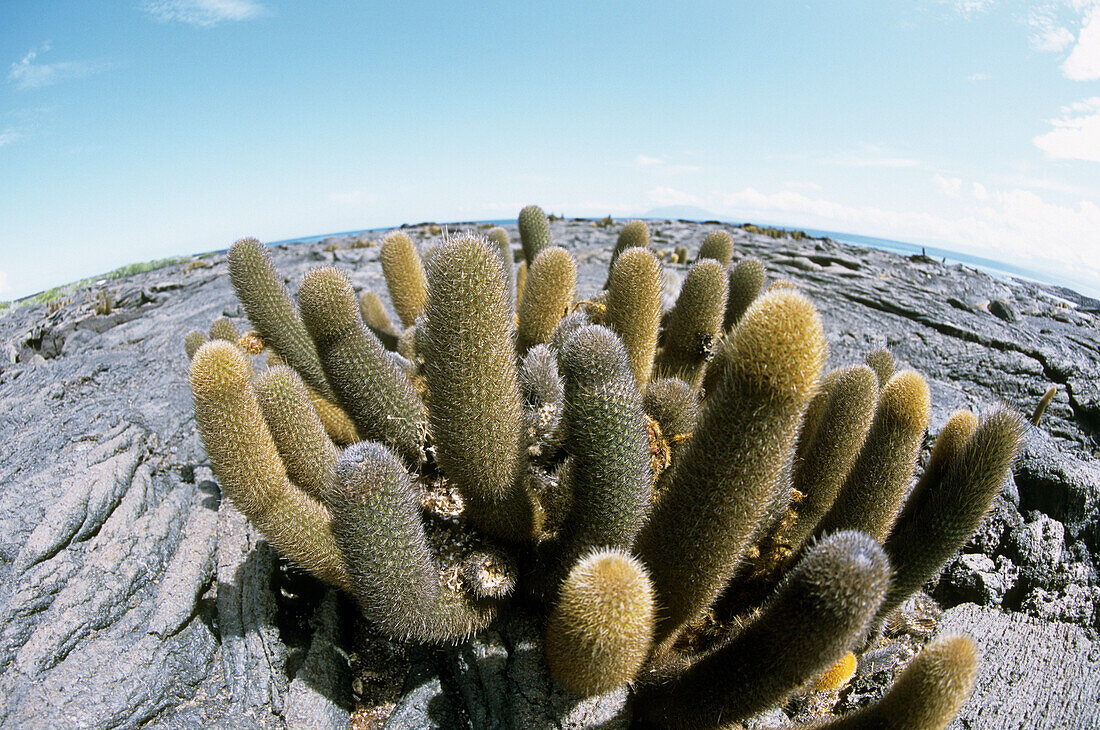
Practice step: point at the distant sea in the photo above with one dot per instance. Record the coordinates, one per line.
(999, 269)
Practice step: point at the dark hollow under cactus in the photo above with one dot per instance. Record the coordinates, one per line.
(659, 531)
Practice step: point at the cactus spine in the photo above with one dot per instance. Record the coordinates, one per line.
(467, 340)
(718, 245)
(928, 693)
(390, 568)
(404, 274)
(551, 285)
(727, 474)
(634, 234)
(601, 626)
(272, 312)
(745, 282)
(821, 608)
(878, 481)
(373, 312)
(534, 232)
(695, 323)
(634, 307)
(248, 464)
(377, 396)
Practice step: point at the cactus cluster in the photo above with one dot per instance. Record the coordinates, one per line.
(688, 500)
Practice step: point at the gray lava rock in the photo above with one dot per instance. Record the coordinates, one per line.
(130, 595)
(1003, 310)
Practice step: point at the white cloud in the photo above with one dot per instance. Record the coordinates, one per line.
(971, 7)
(662, 165)
(978, 77)
(1009, 225)
(203, 13)
(671, 196)
(950, 186)
(801, 185)
(5, 287)
(8, 136)
(27, 73)
(872, 156)
(1076, 136)
(979, 192)
(1083, 63)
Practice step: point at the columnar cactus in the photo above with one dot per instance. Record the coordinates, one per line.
(714, 548)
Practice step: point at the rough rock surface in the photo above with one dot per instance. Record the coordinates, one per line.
(131, 596)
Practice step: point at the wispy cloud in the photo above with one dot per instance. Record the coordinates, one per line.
(801, 185)
(28, 73)
(970, 8)
(663, 166)
(1010, 225)
(871, 156)
(670, 196)
(978, 77)
(1076, 136)
(8, 136)
(949, 186)
(1083, 63)
(203, 13)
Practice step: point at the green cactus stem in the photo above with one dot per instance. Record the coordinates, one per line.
(248, 466)
(273, 314)
(601, 626)
(551, 286)
(694, 324)
(718, 245)
(404, 272)
(534, 234)
(634, 308)
(375, 394)
(729, 471)
(820, 610)
(745, 281)
(467, 340)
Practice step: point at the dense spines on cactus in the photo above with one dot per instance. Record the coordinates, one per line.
(609, 475)
(601, 626)
(634, 307)
(376, 395)
(928, 693)
(879, 479)
(953, 437)
(634, 234)
(192, 341)
(719, 517)
(248, 465)
(374, 313)
(718, 245)
(949, 510)
(306, 450)
(404, 272)
(391, 571)
(728, 472)
(534, 232)
(820, 610)
(882, 362)
(273, 314)
(543, 399)
(467, 340)
(695, 323)
(830, 442)
(551, 286)
(745, 282)
(222, 329)
(499, 236)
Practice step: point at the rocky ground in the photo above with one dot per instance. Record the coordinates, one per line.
(131, 596)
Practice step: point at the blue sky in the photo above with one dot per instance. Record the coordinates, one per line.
(142, 129)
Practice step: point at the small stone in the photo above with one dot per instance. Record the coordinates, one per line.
(1001, 309)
